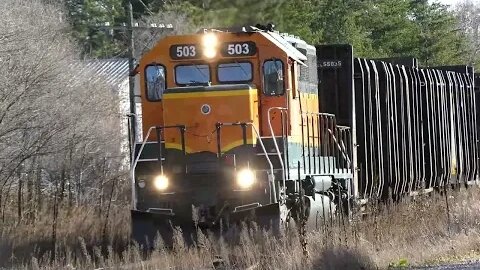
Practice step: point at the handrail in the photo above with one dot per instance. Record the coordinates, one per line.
(269, 163)
(272, 183)
(159, 140)
(319, 114)
(345, 155)
(343, 151)
(282, 109)
(134, 165)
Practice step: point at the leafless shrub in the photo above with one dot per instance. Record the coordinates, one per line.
(468, 15)
(145, 39)
(58, 128)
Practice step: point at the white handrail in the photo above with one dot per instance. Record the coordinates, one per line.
(345, 155)
(135, 161)
(272, 183)
(269, 163)
(134, 165)
(276, 144)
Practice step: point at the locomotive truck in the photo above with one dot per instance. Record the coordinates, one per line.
(248, 123)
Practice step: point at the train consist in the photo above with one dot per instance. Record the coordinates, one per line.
(246, 123)
(415, 128)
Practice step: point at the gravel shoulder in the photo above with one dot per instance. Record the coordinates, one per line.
(458, 266)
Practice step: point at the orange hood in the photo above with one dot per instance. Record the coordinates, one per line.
(201, 108)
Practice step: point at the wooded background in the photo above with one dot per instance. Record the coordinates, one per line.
(432, 32)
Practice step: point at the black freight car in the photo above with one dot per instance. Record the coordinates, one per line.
(414, 129)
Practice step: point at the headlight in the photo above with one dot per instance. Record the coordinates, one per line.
(209, 52)
(209, 40)
(245, 178)
(160, 182)
(209, 44)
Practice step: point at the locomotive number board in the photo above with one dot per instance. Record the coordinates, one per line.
(247, 48)
(185, 51)
(228, 49)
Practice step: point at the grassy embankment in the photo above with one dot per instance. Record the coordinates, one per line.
(418, 232)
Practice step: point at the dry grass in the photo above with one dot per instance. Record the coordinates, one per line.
(421, 232)
(416, 232)
(78, 229)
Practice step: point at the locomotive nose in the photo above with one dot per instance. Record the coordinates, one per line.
(202, 108)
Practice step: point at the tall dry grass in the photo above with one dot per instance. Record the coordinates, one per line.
(418, 231)
(78, 230)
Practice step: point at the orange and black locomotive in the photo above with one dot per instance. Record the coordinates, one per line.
(246, 122)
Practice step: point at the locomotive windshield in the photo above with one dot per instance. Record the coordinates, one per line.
(235, 72)
(192, 74)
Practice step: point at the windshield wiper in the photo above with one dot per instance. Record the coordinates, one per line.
(201, 73)
(240, 66)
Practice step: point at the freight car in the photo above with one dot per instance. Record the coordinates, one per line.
(247, 123)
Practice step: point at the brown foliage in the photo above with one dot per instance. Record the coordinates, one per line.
(58, 127)
(417, 231)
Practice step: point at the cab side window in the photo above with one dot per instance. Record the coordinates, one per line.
(155, 80)
(273, 84)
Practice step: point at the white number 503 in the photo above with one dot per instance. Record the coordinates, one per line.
(235, 49)
(186, 51)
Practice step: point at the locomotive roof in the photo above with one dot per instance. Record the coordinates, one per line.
(284, 45)
(273, 36)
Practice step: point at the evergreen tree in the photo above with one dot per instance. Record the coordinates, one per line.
(438, 41)
(89, 18)
(337, 22)
(390, 28)
(297, 17)
(375, 28)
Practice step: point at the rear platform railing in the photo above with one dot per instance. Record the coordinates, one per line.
(326, 148)
(323, 140)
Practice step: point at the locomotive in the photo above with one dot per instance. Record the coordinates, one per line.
(250, 124)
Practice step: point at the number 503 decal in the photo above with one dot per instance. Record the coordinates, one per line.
(184, 51)
(247, 48)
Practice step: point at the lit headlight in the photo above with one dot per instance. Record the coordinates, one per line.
(209, 40)
(209, 52)
(245, 178)
(160, 182)
(209, 44)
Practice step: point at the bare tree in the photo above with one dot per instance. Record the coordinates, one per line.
(59, 129)
(468, 14)
(145, 39)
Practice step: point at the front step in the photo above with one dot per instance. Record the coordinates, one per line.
(269, 154)
(150, 151)
(270, 145)
(149, 159)
(262, 162)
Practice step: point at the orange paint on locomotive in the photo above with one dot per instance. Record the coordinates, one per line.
(200, 126)
(241, 105)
